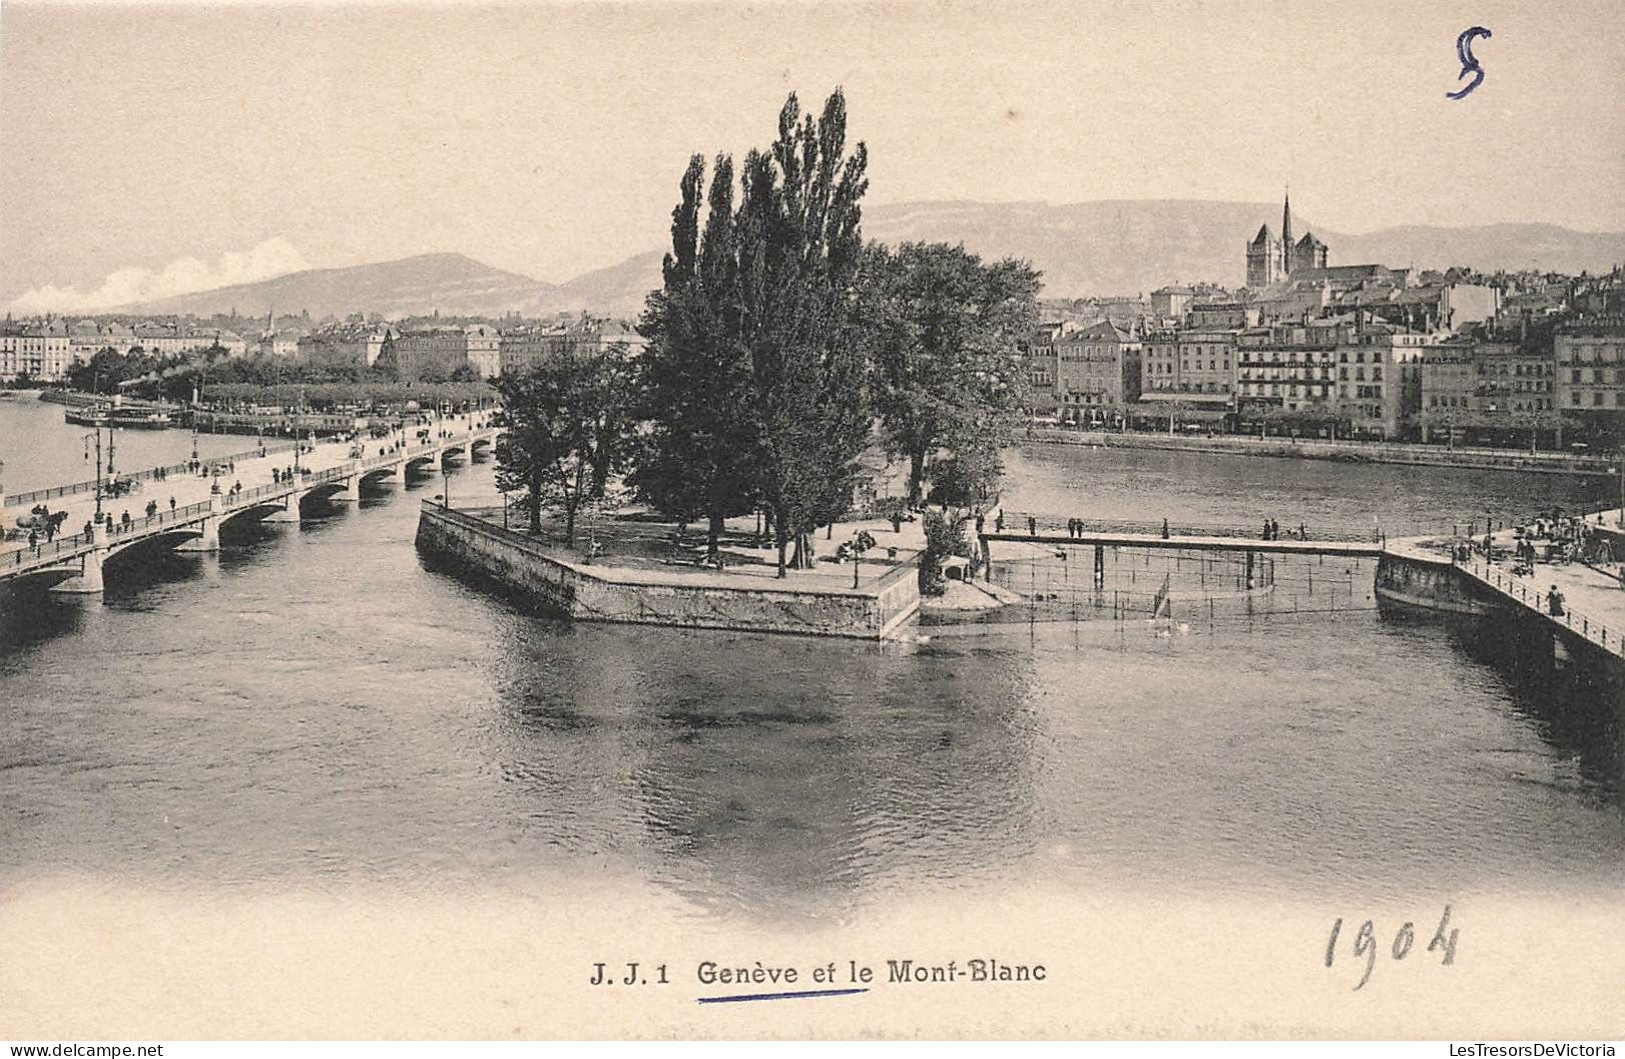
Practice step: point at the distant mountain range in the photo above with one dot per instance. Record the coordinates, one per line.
(1091, 248)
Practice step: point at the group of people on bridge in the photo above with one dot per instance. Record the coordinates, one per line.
(1272, 531)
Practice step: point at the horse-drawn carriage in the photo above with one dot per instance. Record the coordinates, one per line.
(40, 520)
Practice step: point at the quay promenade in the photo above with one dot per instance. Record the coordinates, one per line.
(192, 504)
(1342, 451)
(1593, 596)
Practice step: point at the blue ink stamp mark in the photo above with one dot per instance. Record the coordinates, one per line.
(1469, 65)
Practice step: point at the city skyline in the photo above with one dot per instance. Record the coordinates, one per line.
(121, 172)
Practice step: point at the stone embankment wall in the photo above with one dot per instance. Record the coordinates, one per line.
(1429, 584)
(1339, 451)
(688, 600)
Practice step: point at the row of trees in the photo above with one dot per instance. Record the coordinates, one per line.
(178, 376)
(780, 348)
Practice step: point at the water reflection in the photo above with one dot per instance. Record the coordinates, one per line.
(787, 776)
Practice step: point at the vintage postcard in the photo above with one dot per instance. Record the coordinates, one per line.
(812, 520)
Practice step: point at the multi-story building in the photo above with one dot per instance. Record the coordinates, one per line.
(278, 344)
(1170, 302)
(89, 337)
(1206, 364)
(353, 344)
(1097, 369)
(1589, 355)
(35, 351)
(442, 350)
(1227, 314)
(1194, 366)
(1038, 349)
(1159, 365)
(1379, 375)
(483, 350)
(1288, 371)
(174, 339)
(1449, 388)
(1515, 383)
(522, 347)
(1334, 370)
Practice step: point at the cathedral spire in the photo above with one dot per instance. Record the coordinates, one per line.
(1286, 231)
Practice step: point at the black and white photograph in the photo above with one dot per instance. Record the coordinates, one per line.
(883, 520)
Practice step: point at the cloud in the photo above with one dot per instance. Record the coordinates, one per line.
(273, 257)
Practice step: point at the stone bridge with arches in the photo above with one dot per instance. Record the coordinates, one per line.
(329, 469)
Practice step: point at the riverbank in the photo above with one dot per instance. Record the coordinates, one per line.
(622, 584)
(1340, 451)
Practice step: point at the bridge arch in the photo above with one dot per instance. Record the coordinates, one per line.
(167, 538)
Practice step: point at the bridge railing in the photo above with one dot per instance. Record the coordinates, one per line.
(1595, 631)
(57, 551)
(137, 527)
(276, 490)
(169, 470)
(248, 497)
(1017, 522)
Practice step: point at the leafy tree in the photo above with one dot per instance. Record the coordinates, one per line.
(943, 537)
(949, 371)
(566, 424)
(968, 478)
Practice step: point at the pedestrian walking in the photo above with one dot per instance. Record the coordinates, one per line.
(1554, 603)
(33, 541)
(172, 503)
(1164, 529)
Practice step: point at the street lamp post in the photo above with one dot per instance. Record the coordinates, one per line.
(297, 444)
(97, 434)
(445, 485)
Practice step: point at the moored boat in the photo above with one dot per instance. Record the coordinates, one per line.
(103, 416)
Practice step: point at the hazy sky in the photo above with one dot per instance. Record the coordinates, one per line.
(149, 149)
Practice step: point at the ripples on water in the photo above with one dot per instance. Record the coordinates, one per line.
(314, 707)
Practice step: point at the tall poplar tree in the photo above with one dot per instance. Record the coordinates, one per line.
(698, 454)
(800, 249)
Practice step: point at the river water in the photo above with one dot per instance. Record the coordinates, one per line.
(314, 708)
